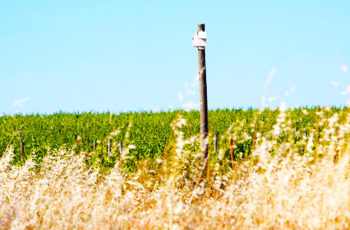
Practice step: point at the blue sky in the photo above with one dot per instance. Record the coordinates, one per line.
(138, 55)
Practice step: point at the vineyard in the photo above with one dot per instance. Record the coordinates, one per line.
(145, 170)
(150, 136)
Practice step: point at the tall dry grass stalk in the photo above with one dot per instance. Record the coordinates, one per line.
(266, 192)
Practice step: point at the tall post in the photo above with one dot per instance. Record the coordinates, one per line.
(203, 96)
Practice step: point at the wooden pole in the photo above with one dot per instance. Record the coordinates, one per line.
(103, 147)
(94, 145)
(121, 147)
(21, 144)
(231, 152)
(109, 146)
(203, 97)
(216, 142)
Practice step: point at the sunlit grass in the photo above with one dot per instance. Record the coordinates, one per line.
(276, 187)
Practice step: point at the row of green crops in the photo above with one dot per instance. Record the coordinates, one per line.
(41, 133)
(86, 132)
(150, 136)
(240, 125)
(245, 126)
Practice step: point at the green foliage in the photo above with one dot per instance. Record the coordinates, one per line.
(150, 133)
(149, 136)
(42, 133)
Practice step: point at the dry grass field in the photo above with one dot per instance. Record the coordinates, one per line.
(283, 191)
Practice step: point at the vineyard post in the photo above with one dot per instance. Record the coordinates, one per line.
(121, 147)
(199, 41)
(21, 144)
(231, 152)
(216, 142)
(103, 146)
(109, 146)
(94, 145)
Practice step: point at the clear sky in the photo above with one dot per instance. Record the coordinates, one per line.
(137, 55)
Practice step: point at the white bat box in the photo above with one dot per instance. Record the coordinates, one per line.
(199, 40)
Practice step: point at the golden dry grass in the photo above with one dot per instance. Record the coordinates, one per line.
(284, 191)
